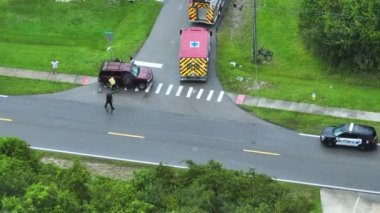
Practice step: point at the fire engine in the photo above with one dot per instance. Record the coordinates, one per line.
(194, 53)
(205, 11)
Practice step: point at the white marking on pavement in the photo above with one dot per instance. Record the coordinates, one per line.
(209, 96)
(261, 152)
(136, 89)
(356, 204)
(3, 96)
(106, 157)
(328, 186)
(158, 88)
(148, 88)
(189, 92)
(148, 64)
(220, 96)
(169, 89)
(125, 135)
(6, 119)
(179, 91)
(200, 94)
(309, 135)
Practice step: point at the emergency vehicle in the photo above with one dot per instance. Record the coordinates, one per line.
(205, 11)
(194, 54)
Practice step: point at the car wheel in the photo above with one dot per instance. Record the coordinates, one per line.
(361, 147)
(331, 143)
(141, 86)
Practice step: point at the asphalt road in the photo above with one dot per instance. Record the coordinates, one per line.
(163, 127)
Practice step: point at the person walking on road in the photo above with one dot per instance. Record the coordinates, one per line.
(109, 101)
(54, 65)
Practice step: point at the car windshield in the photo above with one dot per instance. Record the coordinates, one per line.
(135, 70)
(339, 130)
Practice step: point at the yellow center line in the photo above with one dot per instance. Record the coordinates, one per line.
(125, 135)
(261, 152)
(5, 119)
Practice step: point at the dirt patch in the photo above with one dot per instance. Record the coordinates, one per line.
(102, 169)
(236, 14)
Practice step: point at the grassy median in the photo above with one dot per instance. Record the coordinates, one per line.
(294, 73)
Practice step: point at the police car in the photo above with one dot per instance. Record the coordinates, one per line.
(354, 135)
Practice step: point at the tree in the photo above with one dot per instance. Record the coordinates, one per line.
(48, 198)
(345, 32)
(19, 149)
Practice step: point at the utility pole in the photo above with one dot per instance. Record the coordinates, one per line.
(254, 33)
(254, 40)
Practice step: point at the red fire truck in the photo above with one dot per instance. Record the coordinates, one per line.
(194, 54)
(205, 11)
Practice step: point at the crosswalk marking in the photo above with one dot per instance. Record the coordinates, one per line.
(148, 88)
(169, 89)
(158, 88)
(189, 92)
(199, 93)
(209, 96)
(179, 91)
(136, 89)
(220, 96)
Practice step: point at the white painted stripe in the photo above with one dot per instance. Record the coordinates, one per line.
(169, 89)
(309, 135)
(158, 88)
(199, 95)
(3, 96)
(136, 89)
(328, 186)
(179, 91)
(220, 96)
(189, 92)
(148, 88)
(106, 157)
(6, 119)
(125, 135)
(209, 96)
(356, 204)
(185, 167)
(148, 64)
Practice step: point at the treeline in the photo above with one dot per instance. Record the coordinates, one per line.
(345, 33)
(27, 185)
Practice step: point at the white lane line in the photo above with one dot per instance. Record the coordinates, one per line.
(6, 119)
(209, 96)
(148, 64)
(158, 88)
(179, 91)
(169, 89)
(125, 135)
(3, 96)
(189, 92)
(261, 152)
(309, 135)
(106, 157)
(199, 95)
(328, 186)
(148, 88)
(220, 96)
(185, 167)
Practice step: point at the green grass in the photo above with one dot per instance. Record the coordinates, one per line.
(294, 73)
(33, 32)
(302, 122)
(23, 86)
